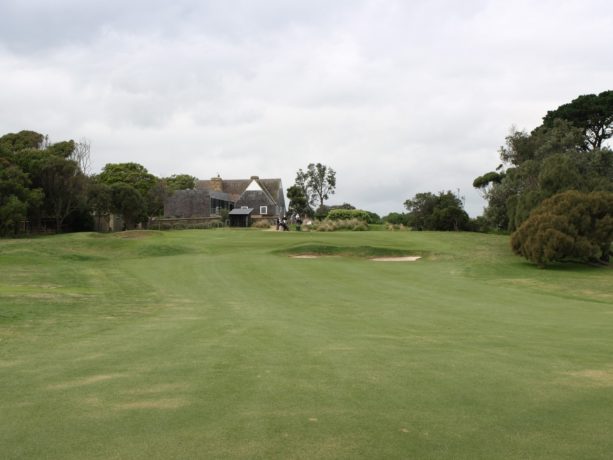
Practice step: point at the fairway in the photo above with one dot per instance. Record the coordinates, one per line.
(219, 344)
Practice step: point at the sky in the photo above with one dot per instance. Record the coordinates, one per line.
(398, 97)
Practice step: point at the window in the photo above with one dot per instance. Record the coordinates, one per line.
(263, 210)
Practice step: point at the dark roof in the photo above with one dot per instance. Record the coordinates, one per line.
(236, 187)
(220, 196)
(241, 212)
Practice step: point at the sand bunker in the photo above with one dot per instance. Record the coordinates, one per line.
(397, 259)
(376, 259)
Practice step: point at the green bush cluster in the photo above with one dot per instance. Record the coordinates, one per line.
(570, 225)
(329, 225)
(348, 214)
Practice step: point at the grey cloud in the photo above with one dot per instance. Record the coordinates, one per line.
(415, 96)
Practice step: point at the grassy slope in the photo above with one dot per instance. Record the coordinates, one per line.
(210, 344)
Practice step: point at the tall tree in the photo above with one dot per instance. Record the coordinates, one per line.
(128, 202)
(444, 211)
(565, 153)
(318, 182)
(591, 113)
(180, 182)
(133, 174)
(298, 202)
(65, 187)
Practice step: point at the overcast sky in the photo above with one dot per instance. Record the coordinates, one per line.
(399, 97)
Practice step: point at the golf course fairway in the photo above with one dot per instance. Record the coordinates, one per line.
(297, 345)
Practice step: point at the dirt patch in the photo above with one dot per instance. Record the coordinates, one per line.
(595, 377)
(397, 259)
(171, 403)
(160, 388)
(84, 381)
(305, 256)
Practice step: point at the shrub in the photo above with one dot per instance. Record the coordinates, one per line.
(570, 225)
(349, 214)
(261, 223)
(329, 225)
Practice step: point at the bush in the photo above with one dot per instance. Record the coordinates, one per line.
(328, 225)
(261, 223)
(349, 214)
(570, 225)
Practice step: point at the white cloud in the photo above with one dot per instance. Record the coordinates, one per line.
(409, 96)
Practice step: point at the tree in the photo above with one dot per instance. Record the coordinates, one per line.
(180, 182)
(156, 196)
(65, 187)
(444, 211)
(317, 183)
(99, 199)
(132, 174)
(127, 201)
(81, 153)
(298, 202)
(15, 142)
(570, 225)
(591, 113)
(396, 218)
(564, 153)
(16, 197)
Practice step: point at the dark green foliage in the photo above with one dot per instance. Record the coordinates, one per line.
(491, 177)
(133, 174)
(39, 180)
(15, 142)
(317, 183)
(396, 218)
(298, 202)
(444, 211)
(12, 214)
(564, 153)
(64, 186)
(345, 214)
(591, 113)
(570, 225)
(128, 202)
(180, 182)
(62, 149)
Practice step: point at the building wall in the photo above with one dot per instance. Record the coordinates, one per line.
(188, 203)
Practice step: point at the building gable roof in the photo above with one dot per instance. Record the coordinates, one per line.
(272, 188)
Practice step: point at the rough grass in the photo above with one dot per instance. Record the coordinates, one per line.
(213, 344)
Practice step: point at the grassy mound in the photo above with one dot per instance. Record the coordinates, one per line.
(347, 251)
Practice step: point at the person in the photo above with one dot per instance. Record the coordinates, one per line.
(278, 223)
(284, 223)
(298, 222)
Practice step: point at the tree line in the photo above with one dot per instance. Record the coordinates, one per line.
(48, 185)
(552, 191)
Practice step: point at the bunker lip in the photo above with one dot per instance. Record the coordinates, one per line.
(375, 259)
(396, 259)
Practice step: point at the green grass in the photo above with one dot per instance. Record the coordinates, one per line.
(217, 344)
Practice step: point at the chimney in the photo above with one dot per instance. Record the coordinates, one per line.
(216, 184)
